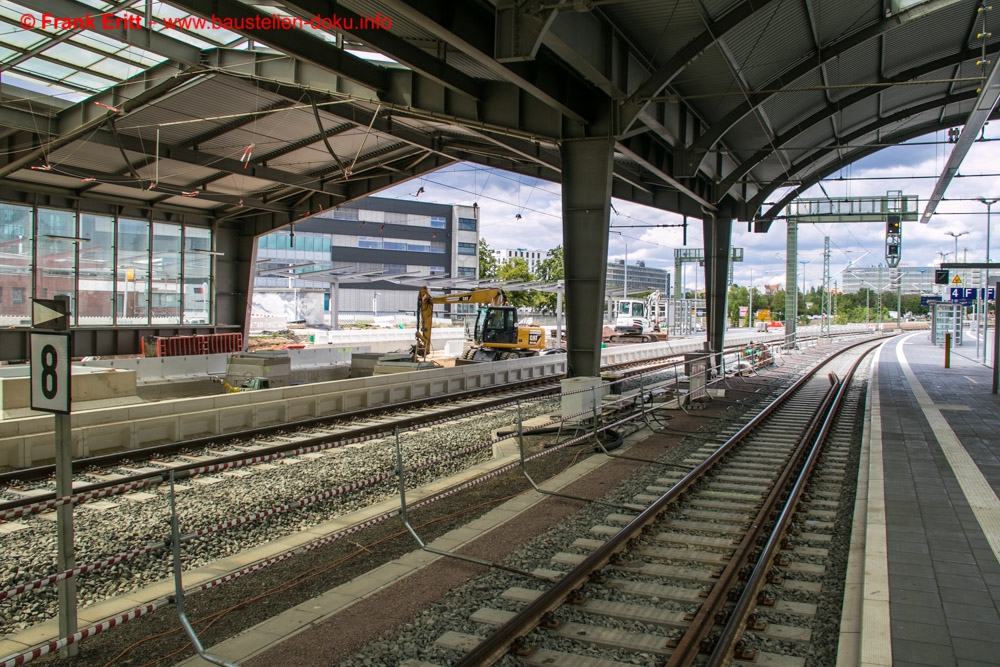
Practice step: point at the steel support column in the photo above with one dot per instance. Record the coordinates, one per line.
(718, 235)
(586, 199)
(791, 281)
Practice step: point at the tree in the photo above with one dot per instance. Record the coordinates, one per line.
(488, 265)
(516, 269)
(550, 269)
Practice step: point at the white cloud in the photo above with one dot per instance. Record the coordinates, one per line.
(912, 168)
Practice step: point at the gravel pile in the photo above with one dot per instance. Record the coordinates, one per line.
(132, 521)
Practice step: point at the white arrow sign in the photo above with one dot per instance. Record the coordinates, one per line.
(41, 313)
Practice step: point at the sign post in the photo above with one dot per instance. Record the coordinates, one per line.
(51, 392)
(996, 342)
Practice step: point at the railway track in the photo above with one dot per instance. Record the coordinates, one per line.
(211, 503)
(724, 556)
(182, 457)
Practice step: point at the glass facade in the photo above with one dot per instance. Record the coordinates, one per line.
(114, 271)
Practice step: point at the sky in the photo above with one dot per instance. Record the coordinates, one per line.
(913, 168)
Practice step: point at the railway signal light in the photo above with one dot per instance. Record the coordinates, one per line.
(893, 239)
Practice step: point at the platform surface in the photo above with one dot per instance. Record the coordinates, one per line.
(936, 444)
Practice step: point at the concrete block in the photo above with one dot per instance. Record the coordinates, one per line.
(155, 431)
(198, 424)
(172, 367)
(34, 425)
(269, 413)
(379, 396)
(299, 390)
(148, 411)
(329, 404)
(301, 408)
(355, 400)
(39, 448)
(107, 438)
(230, 400)
(235, 418)
(419, 390)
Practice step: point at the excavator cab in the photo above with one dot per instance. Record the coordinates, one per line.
(496, 324)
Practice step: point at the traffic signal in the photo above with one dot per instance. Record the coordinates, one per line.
(892, 224)
(941, 277)
(893, 239)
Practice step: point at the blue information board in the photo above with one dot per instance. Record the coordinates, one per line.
(969, 295)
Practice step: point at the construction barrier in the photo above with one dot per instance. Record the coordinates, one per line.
(178, 346)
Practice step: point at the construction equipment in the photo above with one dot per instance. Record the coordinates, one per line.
(250, 384)
(497, 336)
(636, 320)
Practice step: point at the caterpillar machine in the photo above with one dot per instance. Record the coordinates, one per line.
(497, 336)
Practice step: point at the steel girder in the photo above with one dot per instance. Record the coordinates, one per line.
(694, 153)
(833, 108)
(857, 154)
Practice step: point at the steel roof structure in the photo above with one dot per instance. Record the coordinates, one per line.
(255, 115)
(250, 115)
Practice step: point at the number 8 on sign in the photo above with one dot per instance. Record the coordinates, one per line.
(50, 379)
(50, 372)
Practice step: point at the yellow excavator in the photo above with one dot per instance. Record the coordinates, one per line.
(497, 336)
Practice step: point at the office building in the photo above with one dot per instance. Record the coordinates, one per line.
(377, 237)
(641, 278)
(532, 257)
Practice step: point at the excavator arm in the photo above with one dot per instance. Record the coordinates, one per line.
(425, 311)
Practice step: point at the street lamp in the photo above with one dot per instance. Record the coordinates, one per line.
(989, 205)
(986, 295)
(955, 236)
(803, 262)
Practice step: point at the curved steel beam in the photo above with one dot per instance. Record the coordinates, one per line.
(665, 75)
(714, 134)
(830, 110)
(860, 153)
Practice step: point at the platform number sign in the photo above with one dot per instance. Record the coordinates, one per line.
(50, 372)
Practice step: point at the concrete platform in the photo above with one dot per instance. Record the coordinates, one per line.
(925, 563)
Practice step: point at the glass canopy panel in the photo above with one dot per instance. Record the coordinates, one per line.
(133, 272)
(71, 55)
(41, 86)
(45, 69)
(55, 255)
(113, 68)
(96, 297)
(16, 224)
(197, 275)
(85, 80)
(165, 299)
(17, 38)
